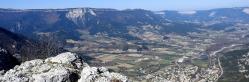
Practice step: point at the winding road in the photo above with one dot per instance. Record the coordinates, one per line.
(218, 58)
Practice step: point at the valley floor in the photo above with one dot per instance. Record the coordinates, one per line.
(194, 57)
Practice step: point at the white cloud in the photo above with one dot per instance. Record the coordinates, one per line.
(212, 14)
(187, 12)
(246, 10)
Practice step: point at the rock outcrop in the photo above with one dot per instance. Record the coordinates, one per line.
(93, 74)
(77, 15)
(65, 67)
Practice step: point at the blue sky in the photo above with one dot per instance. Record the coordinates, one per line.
(125, 4)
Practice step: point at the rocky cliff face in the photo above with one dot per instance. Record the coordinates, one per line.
(65, 67)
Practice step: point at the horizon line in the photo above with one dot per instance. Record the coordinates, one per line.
(120, 9)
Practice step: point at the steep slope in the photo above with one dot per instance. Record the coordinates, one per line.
(235, 64)
(12, 46)
(7, 61)
(15, 49)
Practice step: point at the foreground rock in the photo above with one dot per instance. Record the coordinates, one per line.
(66, 67)
(93, 74)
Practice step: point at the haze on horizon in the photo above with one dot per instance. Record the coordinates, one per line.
(155, 5)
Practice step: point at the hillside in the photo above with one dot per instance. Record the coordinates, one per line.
(146, 46)
(72, 23)
(16, 49)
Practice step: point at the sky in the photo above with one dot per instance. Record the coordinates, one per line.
(155, 5)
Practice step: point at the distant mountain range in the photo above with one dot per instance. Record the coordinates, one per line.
(20, 30)
(74, 22)
(201, 16)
